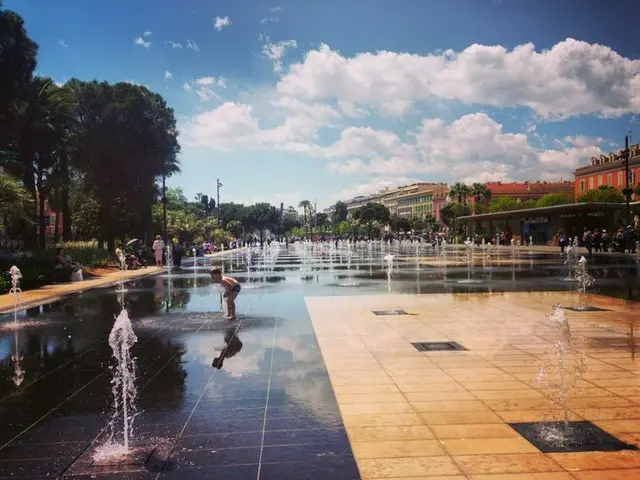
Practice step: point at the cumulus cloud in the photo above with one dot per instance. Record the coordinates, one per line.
(63, 44)
(571, 78)
(220, 22)
(168, 75)
(231, 126)
(174, 45)
(147, 33)
(141, 41)
(582, 141)
(186, 87)
(275, 52)
(191, 45)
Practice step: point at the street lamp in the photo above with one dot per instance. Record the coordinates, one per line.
(164, 205)
(218, 185)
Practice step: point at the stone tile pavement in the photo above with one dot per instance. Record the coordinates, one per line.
(445, 415)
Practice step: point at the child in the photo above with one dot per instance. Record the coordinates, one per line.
(231, 291)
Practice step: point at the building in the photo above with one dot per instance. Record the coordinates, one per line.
(528, 190)
(49, 219)
(415, 200)
(608, 170)
(439, 202)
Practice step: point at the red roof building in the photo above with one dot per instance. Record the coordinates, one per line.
(608, 170)
(529, 190)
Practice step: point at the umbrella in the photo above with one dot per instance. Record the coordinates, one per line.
(132, 241)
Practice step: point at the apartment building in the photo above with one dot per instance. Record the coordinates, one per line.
(608, 170)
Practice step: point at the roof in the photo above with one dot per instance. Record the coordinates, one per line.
(497, 187)
(553, 210)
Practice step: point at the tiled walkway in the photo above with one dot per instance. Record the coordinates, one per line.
(445, 415)
(51, 292)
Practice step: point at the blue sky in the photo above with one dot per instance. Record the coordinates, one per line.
(324, 99)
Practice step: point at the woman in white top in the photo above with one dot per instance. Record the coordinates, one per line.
(158, 248)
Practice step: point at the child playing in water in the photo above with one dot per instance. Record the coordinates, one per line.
(231, 291)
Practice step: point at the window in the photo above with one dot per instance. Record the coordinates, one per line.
(620, 179)
(610, 180)
(582, 185)
(599, 180)
(590, 183)
(632, 180)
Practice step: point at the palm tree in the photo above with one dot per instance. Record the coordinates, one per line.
(44, 116)
(306, 207)
(461, 191)
(480, 193)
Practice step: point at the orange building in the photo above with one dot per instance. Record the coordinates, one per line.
(608, 170)
(528, 190)
(49, 219)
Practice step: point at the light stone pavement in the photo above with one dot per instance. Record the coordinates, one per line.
(444, 415)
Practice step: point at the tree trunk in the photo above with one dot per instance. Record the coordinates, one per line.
(28, 180)
(56, 236)
(64, 200)
(41, 222)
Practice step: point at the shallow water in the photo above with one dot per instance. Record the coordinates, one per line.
(270, 395)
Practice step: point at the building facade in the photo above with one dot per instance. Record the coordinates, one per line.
(608, 170)
(529, 190)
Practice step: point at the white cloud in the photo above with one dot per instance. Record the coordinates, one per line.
(571, 78)
(275, 52)
(276, 9)
(168, 75)
(220, 22)
(232, 126)
(141, 41)
(269, 19)
(582, 141)
(186, 86)
(147, 33)
(63, 44)
(193, 46)
(206, 94)
(174, 45)
(205, 81)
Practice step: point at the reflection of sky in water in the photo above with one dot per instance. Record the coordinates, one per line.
(83, 322)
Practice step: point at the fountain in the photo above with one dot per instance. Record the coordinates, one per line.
(16, 358)
(349, 283)
(169, 255)
(389, 260)
(124, 391)
(469, 258)
(418, 256)
(123, 267)
(570, 262)
(584, 281)
(563, 365)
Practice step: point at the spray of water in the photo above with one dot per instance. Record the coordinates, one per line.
(16, 358)
(563, 365)
(123, 389)
(584, 281)
(389, 260)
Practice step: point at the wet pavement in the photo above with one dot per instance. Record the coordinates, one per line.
(268, 411)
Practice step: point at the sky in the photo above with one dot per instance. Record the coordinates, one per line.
(286, 100)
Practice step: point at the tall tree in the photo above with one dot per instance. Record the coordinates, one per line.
(306, 207)
(340, 212)
(460, 190)
(480, 193)
(17, 64)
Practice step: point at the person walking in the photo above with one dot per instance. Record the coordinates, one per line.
(158, 249)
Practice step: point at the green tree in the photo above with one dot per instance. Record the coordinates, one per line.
(306, 207)
(340, 212)
(504, 204)
(480, 193)
(17, 64)
(372, 213)
(604, 193)
(460, 190)
(551, 199)
(235, 228)
(291, 220)
(450, 212)
(263, 216)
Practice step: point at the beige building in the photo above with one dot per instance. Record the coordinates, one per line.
(411, 201)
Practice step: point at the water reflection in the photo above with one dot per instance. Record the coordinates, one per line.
(232, 346)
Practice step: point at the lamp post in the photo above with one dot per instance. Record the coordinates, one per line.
(627, 191)
(218, 185)
(164, 206)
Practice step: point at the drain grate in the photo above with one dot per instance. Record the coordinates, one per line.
(390, 312)
(438, 346)
(588, 308)
(554, 437)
